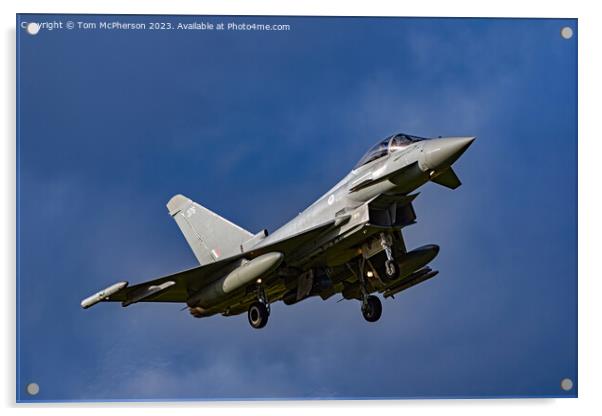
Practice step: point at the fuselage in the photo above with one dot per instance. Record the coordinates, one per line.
(395, 165)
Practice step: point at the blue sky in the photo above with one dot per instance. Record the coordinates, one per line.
(256, 126)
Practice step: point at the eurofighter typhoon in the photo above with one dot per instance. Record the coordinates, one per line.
(348, 242)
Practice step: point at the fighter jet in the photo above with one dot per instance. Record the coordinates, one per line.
(348, 242)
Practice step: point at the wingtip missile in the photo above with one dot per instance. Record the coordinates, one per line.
(103, 294)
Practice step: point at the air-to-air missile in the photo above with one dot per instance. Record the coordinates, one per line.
(103, 294)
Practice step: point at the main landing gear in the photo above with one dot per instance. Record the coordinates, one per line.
(259, 311)
(372, 308)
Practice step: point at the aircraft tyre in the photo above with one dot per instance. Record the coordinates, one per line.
(258, 315)
(373, 309)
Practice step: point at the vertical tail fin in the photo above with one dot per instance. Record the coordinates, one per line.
(210, 236)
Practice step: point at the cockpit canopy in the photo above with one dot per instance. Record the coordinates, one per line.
(386, 146)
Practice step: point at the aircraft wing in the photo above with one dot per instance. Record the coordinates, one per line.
(178, 287)
(288, 244)
(171, 288)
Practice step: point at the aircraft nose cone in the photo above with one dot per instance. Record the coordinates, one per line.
(441, 153)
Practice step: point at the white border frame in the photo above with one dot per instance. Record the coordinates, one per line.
(589, 202)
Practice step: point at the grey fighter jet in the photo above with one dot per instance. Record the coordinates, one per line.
(348, 242)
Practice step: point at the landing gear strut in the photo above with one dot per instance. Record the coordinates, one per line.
(391, 266)
(372, 308)
(259, 311)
